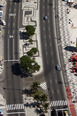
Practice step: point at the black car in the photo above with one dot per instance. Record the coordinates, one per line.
(60, 113)
(1, 7)
(53, 112)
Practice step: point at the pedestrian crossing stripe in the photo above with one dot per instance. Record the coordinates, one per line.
(43, 85)
(61, 103)
(14, 106)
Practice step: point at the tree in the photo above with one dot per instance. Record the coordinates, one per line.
(43, 98)
(30, 53)
(25, 62)
(45, 106)
(30, 30)
(31, 41)
(35, 86)
(34, 50)
(36, 67)
(28, 64)
(37, 96)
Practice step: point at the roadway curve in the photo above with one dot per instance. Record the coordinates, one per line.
(49, 51)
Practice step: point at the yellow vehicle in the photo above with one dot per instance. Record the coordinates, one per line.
(66, 113)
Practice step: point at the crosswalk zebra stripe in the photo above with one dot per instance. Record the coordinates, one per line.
(14, 106)
(61, 103)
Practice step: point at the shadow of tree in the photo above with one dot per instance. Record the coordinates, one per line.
(17, 70)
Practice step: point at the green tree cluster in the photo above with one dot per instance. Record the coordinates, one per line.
(30, 30)
(32, 52)
(28, 64)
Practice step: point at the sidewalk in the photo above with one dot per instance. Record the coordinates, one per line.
(68, 30)
(30, 107)
(31, 17)
(3, 3)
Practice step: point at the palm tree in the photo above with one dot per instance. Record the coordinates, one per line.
(45, 106)
(43, 98)
(35, 86)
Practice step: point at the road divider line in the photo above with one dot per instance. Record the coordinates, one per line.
(13, 48)
(8, 49)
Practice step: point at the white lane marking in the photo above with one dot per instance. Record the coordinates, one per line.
(49, 36)
(14, 60)
(17, 113)
(8, 33)
(13, 32)
(47, 62)
(48, 13)
(48, 21)
(10, 9)
(44, 28)
(46, 52)
(56, 80)
(43, 6)
(13, 24)
(57, 90)
(8, 48)
(9, 25)
(50, 46)
(52, 91)
(50, 81)
(45, 45)
(13, 48)
(48, 28)
(14, 9)
(44, 36)
(51, 53)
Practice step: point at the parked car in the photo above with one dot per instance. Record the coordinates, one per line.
(57, 67)
(60, 113)
(1, 13)
(3, 22)
(45, 18)
(53, 112)
(1, 7)
(0, 33)
(65, 113)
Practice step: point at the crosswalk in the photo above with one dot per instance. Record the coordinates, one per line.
(14, 106)
(43, 85)
(61, 103)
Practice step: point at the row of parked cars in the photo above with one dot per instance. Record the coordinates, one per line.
(2, 22)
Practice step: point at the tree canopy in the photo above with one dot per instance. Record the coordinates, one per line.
(30, 30)
(28, 64)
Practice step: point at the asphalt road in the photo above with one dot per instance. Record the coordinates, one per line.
(49, 50)
(13, 84)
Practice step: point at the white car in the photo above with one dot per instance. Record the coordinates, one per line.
(3, 22)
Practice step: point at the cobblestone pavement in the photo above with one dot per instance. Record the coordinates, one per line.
(68, 40)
